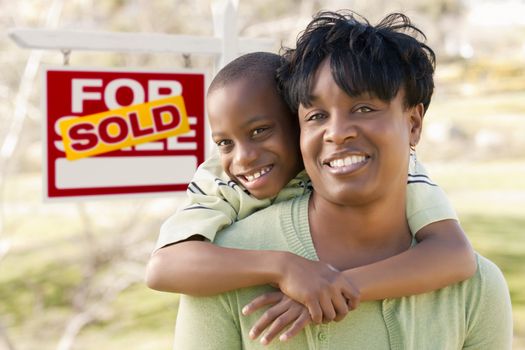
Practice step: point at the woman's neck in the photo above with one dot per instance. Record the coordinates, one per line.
(350, 236)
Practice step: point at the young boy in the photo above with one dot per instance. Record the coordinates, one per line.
(257, 138)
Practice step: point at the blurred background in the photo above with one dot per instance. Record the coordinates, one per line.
(71, 274)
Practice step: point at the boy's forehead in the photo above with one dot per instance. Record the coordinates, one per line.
(242, 90)
(247, 100)
(249, 80)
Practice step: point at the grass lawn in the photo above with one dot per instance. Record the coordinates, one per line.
(490, 200)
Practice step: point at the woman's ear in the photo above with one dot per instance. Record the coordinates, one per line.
(416, 123)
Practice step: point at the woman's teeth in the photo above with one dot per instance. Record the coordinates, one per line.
(346, 161)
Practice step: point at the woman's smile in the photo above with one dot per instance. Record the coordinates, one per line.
(345, 164)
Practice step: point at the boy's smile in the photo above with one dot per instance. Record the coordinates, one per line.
(256, 135)
(254, 175)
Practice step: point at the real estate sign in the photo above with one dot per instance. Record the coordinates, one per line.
(121, 132)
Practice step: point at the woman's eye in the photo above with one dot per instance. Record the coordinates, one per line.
(315, 116)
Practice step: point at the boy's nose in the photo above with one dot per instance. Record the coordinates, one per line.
(246, 154)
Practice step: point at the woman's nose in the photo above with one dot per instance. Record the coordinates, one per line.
(340, 128)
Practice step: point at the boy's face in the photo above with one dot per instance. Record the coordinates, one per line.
(355, 149)
(256, 136)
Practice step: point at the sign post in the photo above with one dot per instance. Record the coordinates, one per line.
(224, 45)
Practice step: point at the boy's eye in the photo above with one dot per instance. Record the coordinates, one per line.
(223, 143)
(258, 131)
(363, 109)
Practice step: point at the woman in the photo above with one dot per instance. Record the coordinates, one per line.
(361, 93)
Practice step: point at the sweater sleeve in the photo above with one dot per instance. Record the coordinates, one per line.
(489, 317)
(215, 202)
(426, 201)
(206, 323)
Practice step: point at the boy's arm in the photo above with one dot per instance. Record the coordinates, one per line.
(184, 262)
(215, 202)
(442, 257)
(202, 269)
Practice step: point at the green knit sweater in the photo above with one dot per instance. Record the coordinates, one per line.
(474, 314)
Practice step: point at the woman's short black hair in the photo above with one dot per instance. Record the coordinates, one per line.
(378, 60)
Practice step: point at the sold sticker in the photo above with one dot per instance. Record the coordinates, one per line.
(112, 130)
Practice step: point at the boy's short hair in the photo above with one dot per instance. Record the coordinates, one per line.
(256, 66)
(377, 59)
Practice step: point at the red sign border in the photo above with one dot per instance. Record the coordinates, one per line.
(153, 191)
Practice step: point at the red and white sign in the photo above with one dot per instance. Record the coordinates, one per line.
(133, 108)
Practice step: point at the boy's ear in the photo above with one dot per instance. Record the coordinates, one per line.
(416, 123)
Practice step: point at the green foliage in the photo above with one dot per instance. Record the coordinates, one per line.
(44, 285)
(141, 319)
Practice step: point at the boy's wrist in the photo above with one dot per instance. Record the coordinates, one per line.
(353, 276)
(278, 262)
(266, 266)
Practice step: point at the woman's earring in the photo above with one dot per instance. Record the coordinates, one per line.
(413, 157)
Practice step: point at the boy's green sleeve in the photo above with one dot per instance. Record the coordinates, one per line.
(426, 202)
(215, 202)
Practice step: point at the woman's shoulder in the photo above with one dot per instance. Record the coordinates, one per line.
(263, 229)
(486, 290)
(490, 277)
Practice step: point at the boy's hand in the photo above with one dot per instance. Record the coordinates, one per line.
(285, 312)
(326, 292)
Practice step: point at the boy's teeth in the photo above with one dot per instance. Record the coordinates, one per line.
(253, 177)
(346, 161)
(257, 174)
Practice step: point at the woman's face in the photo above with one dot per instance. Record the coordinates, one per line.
(355, 149)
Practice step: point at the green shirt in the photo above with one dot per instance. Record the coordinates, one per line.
(474, 314)
(215, 202)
